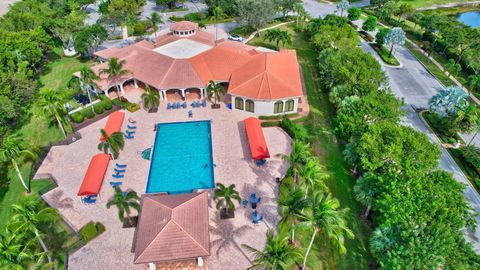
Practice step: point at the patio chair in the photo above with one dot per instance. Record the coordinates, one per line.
(121, 165)
(118, 176)
(89, 200)
(244, 203)
(190, 114)
(169, 106)
(260, 162)
(204, 103)
(178, 105)
(256, 218)
(198, 104)
(129, 137)
(130, 120)
(184, 105)
(129, 132)
(131, 127)
(193, 104)
(115, 184)
(117, 171)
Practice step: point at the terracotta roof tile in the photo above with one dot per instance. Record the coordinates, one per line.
(172, 227)
(184, 26)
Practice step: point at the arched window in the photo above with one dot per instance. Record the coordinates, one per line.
(249, 106)
(289, 105)
(239, 103)
(278, 107)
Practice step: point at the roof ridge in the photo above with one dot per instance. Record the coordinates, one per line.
(193, 239)
(253, 77)
(166, 73)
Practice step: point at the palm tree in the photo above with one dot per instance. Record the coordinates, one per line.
(86, 80)
(326, 217)
(364, 192)
(150, 98)
(13, 251)
(15, 150)
(278, 36)
(214, 90)
(278, 254)
(51, 103)
(217, 15)
(114, 71)
(312, 176)
(381, 240)
(28, 216)
(291, 207)
(124, 202)
(155, 19)
(225, 196)
(113, 143)
(299, 10)
(297, 158)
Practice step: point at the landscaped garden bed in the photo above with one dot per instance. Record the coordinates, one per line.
(385, 55)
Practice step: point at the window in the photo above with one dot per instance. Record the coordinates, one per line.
(238, 103)
(289, 105)
(249, 106)
(278, 107)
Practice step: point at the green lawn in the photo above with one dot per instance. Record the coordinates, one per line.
(325, 146)
(60, 69)
(38, 131)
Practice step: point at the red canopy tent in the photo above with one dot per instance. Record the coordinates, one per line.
(92, 182)
(256, 140)
(114, 123)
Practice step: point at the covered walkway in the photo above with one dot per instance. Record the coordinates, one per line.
(93, 179)
(256, 139)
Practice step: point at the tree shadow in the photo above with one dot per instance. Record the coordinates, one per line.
(227, 232)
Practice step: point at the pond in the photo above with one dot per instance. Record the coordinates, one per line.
(471, 18)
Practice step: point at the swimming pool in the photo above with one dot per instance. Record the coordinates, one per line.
(181, 158)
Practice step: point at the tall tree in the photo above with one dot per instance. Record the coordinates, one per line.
(342, 6)
(278, 36)
(14, 150)
(88, 39)
(354, 13)
(112, 143)
(65, 28)
(124, 203)
(395, 37)
(115, 71)
(291, 207)
(326, 217)
(86, 81)
(155, 19)
(28, 217)
(217, 14)
(51, 104)
(122, 9)
(313, 176)
(255, 13)
(150, 98)
(370, 24)
(287, 6)
(297, 158)
(364, 190)
(278, 254)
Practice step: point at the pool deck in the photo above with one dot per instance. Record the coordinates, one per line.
(112, 250)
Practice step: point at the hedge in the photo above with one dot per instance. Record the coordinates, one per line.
(107, 104)
(98, 107)
(133, 107)
(88, 113)
(77, 117)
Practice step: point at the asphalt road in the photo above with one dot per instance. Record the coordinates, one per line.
(416, 86)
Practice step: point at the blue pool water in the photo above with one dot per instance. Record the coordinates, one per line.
(181, 158)
(471, 18)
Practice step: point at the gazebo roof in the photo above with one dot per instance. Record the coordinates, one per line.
(172, 228)
(184, 26)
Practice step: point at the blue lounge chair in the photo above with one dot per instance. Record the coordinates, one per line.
(193, 104)
(169, 106)
(91, 196)
(178, 105)
(118, 176)
(115, 184)
(121, 165)
(117, 171)
(131, 127)
(190, 114)
(260, 162)
(199, 104)
(129, 133)
(256, 218)
(89, 200)
(244, 203)
(129, 137)
(204, 103)
(184, 105)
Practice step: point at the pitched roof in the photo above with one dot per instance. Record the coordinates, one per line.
(172, 227)
(183, 26)
(268, 76)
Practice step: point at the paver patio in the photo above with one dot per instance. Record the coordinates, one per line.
(231, 155)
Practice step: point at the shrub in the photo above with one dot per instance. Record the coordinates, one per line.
(77, 117)
(175, 18)
(271, 124)
(471, 155)
(98, 108)
(91, 230)
(295, 131)
(107, 104)
(133, 107)
(88, 113)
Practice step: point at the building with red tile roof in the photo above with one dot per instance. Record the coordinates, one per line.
(172, 228)
(260, 81)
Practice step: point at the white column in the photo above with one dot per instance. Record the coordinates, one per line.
(121, 89)
(183, 92)
(151, 266)
(202, 95)
(135, 83)
(200, 262)
(165, 95)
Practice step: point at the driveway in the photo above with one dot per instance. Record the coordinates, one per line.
(416, 86)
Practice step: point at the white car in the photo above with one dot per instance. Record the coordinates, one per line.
(235, 38)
